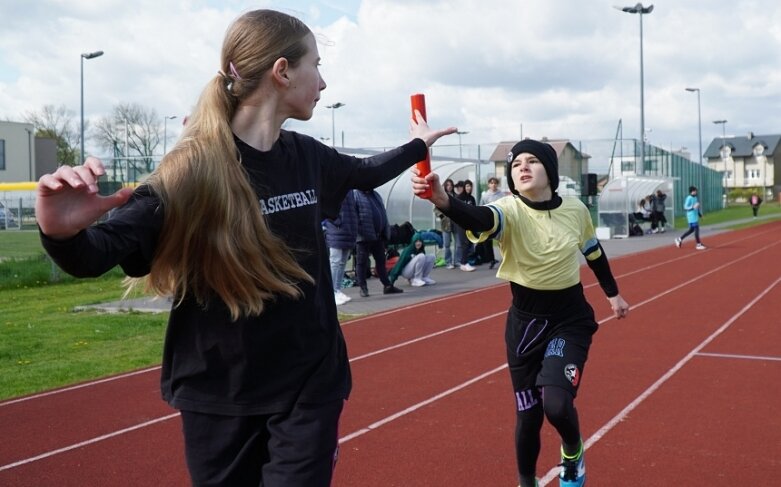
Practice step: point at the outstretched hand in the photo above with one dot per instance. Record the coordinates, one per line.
(419, 129)
(68, 201)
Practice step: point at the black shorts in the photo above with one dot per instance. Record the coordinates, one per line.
(296, 448)
(544, 350)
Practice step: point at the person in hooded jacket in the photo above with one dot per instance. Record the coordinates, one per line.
(414, 264)
(373, 232)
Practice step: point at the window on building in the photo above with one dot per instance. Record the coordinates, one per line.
(2, 155)
(752, 174)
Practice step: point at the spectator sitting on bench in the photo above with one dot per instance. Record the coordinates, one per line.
(643, 211)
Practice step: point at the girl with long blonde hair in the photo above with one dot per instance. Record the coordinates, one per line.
(229, 225)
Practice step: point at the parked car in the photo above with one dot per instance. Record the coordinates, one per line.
(6, 218)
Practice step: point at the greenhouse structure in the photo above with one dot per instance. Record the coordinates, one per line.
(403, 206)
(619, 200)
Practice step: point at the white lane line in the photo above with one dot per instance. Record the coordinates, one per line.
(373, 425)
(746, 357)
(367, 318)
(601, 432)
(420, 304)
(675, 259)
(78, 386)
(87, 442)
(419, 405)
(693, 280)
(426, 337)
(367, 429)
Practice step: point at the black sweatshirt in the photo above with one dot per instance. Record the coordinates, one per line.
(294, 351)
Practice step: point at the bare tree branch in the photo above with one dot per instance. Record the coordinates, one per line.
(58, 124)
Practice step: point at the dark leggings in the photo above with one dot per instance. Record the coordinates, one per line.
(558, 406)
(695, 229)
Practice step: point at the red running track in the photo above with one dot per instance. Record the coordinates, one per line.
(677, 394)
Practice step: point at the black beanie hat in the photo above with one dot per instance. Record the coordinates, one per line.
(542, 151)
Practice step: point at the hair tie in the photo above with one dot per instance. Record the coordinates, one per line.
(227, 80)
(234, 73)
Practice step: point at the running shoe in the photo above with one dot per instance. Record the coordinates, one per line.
(700, 247)
(573, 470)
(678, 242)
(429, 281)
(415, 282)
(341, 298)
(467, 268)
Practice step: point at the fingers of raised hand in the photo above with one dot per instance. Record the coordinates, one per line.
(88, 177)
(77, 177)
(95, 165)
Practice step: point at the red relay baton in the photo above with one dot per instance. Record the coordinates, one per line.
(418, 102)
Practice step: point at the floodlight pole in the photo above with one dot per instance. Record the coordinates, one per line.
(86, 55)
(639, 9)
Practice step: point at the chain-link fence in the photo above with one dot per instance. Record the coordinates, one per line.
(612, 157)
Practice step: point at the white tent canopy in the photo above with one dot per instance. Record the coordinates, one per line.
(403, 206)
(620, 197)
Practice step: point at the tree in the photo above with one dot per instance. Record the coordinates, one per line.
(57, 123)
(132, 132)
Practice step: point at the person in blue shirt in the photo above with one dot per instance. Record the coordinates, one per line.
(693, 215)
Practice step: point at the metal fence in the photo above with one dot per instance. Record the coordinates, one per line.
(605, 156)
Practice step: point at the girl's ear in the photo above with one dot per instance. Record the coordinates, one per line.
(279, 72)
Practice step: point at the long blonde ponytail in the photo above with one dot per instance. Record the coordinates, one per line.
(215, 239)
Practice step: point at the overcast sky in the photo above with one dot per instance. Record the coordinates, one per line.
(493, 68)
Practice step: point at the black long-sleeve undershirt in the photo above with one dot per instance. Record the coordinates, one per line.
(601, 269)
(469, 217)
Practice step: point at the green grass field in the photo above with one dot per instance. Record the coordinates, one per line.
(45, 343)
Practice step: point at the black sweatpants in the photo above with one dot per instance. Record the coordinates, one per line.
(297, 448)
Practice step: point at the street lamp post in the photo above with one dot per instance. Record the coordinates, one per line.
(333, 125)
(723, 151)
(86, 55)
(699, 130)
(165, 131)
(30, 152)
(639, 9)
(460, 133)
